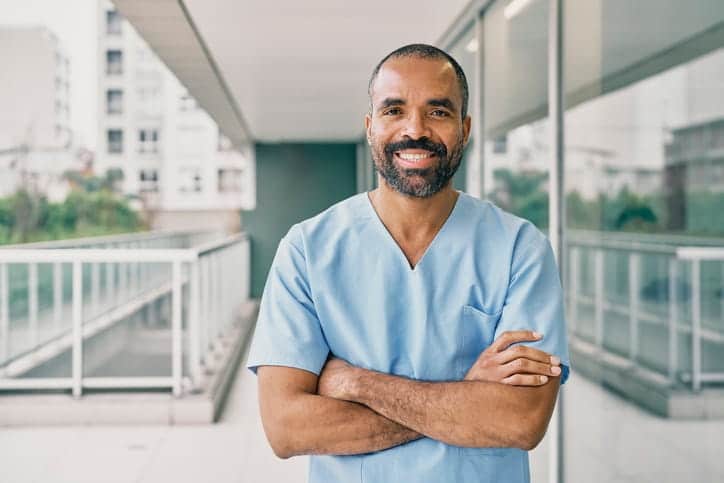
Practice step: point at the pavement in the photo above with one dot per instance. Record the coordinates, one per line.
(608, 440)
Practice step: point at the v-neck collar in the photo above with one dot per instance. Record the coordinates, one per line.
(443, 228)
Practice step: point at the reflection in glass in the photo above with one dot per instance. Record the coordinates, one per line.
(644, 160)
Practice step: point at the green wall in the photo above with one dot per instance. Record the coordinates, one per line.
(294, 181)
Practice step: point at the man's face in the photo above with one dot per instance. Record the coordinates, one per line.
(415, 129)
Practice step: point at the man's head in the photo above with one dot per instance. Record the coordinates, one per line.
(417, 125)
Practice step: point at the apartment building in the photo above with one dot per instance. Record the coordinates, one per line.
(35, 133)
(177, 165)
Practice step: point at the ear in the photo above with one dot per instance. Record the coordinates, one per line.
(466, 129)
(368, 128)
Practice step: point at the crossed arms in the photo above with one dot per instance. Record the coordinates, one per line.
(505, 400)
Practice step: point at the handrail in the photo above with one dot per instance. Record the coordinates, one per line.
(700, 253)
(117, 238)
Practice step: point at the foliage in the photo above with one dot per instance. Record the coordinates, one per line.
(524, 194)
(92, 208)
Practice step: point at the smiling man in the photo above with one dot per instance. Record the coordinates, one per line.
(412, 333)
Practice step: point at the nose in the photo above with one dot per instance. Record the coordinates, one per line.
(416, 126)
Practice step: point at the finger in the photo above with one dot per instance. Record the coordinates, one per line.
(525, 380)
(526, 366)
(513, 336)
(526, 352)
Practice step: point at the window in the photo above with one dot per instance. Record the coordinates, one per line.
(148, 140)
(114, 62)
(148, 179)
(500, 144)
(229, 180)
(114, 101)
(115, 141)
(148, 99)
(113, 22)
(189, 180)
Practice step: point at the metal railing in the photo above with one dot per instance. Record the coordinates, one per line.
(204, 285)
(655, 303)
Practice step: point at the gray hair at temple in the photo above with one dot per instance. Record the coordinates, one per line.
(424, 51)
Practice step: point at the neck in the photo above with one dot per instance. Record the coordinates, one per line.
(410, 216)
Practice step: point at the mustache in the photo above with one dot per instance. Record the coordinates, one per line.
(423, 143)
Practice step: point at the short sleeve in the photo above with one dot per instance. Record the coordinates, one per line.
(535, 299)
(288, 332)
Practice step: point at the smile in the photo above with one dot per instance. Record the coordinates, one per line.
(414, 156)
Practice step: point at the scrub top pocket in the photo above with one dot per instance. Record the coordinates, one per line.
(477, 330)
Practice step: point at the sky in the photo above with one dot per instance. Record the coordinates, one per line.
(74, 22)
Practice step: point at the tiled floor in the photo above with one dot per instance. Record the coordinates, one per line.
(608, 440)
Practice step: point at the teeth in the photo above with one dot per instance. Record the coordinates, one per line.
(413, 157)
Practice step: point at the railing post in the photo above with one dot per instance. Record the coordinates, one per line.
(633, 293)
(176, 356)
(95, 288)
(4, 313)
(696, 325)
(122, 282)
(57, 295)
(137, 271)
(204, 306)
(110, 283)
(77, 371)
(33, 304)
(194, 318)
(673, 322)
(214, 300)
(599, 296)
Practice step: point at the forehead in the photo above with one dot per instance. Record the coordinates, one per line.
(405, 77)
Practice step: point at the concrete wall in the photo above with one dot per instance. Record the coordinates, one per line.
(294, 181)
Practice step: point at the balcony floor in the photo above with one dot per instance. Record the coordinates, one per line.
(609, 440)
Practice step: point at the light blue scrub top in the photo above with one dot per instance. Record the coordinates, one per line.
(340, 283)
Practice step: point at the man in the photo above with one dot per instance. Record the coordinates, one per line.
(395, 339)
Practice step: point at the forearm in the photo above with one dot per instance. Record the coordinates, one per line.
(312, 424)
(465, 413)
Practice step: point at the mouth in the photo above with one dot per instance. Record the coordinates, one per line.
(415, 158)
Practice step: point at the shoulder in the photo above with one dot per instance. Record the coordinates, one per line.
(329, 225)
(507, 229)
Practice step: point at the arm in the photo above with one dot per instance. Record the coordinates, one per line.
(466, 413)
(298, 421)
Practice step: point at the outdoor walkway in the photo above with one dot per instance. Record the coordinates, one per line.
(609, 440)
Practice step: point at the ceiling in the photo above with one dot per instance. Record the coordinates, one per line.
(285, 70)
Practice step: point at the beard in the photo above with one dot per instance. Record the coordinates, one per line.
(420, 183)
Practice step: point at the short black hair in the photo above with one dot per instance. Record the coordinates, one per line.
(424, 51)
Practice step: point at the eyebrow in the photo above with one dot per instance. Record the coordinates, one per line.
(394, 101)
(391, 101)
(444, 102)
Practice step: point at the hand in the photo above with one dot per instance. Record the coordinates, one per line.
(336, 379)
(518, 366)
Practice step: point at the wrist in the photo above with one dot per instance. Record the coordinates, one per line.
(354, 389)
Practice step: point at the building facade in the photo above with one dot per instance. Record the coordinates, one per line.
(177, 166)
(35, 133)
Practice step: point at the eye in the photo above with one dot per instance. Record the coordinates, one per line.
(393, 111)
(440, 113)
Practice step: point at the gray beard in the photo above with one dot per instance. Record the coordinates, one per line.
(419, 183)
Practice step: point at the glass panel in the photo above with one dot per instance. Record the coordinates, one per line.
(644, 133)
(464, 52)
(516, 134)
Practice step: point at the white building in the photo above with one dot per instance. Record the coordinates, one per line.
(176, 162)
(35, 134)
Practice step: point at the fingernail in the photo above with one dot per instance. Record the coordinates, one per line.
(555, 360)
(556, 370)
(543, 378)
(537, 335)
